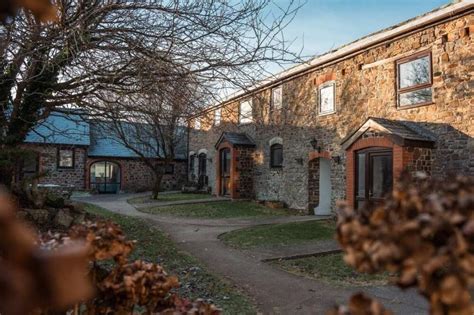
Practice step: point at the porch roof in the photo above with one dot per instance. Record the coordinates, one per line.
(236, 138)
(399, 130)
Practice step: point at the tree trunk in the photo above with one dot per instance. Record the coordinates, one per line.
(156, 186)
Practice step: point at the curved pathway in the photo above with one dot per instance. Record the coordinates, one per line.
(274, 291)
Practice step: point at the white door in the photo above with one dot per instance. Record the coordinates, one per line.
(324, 207)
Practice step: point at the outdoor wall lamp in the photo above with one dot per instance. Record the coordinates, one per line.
(314, 144)
(336, 159)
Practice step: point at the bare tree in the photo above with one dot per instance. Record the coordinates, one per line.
(98, 50)
(152, 124)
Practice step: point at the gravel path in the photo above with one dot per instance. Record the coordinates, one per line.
(274, 290)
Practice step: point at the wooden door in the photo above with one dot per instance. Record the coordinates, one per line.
(225, 171)
(374, 176)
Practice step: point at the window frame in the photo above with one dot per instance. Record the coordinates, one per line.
(398, 90)
(192, 163)
(272, 160)
(272, 100)
(58, 158)
(250, 101)
(332, 84)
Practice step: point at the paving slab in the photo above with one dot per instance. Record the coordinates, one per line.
(275, 291)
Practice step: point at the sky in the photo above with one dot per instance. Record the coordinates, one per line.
(322, 25)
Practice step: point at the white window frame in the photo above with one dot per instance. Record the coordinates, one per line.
(279, 90)
(247, 119)
(322, 87)
(217, 116)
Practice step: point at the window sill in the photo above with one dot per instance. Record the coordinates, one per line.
(326, 114)
(415, 106)
(276, 167)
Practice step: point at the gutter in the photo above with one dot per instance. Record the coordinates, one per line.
(359, 46)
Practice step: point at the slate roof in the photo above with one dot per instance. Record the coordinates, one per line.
(104, 143)
(61, 128)
(405, 130)
(71, 128)
(236, 138)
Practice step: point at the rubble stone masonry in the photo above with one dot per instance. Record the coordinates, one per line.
(365, 87)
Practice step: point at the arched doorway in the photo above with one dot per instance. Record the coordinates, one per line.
(105, 177)
(319, 183)
(325, 190)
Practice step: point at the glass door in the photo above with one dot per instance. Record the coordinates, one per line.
(374, 176)
(225, 169)
(105, 177)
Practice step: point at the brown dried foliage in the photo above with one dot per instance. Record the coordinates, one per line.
(50, 272)
(105, 239)
(127, 286)
(43, 10)
(31, 276)
(360, 304)
(424, 233)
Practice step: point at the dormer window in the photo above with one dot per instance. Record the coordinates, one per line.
(414, 81)
(245, 112)
(326, 99)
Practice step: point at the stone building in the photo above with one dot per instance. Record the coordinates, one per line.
(345, 125)
(70, 151)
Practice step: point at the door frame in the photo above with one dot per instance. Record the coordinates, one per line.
(220, 174)
(119, 184)
(370, 152)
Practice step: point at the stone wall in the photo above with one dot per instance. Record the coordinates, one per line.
(48, 164)
(419, 160)
(245, 172)
(365, 87)
(136, 176)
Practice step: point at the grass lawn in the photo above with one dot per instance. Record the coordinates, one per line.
(214, 210)
(168, 198)
(196, 282)
(280, 234)
(330, 268)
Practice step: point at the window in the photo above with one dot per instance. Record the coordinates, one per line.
(217, 116)
(277, 98)
(65, 158)
(414, 80)
(202, 160)
(276, 155)
(245, 112)
(191, 163)
(169, 169)
(326, 98)
(197, 124)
